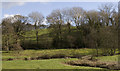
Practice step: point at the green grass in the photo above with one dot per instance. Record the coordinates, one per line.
(42, 64)
(48, 63)
(33, 33)
(50, 52)
(109, 58)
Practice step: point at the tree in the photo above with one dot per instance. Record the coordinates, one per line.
(109, 40)
(93, 40)
(12, 27)
(109, 18)
(56, 20)
(37, 18)
(77, 15)
(93, 19)
(7, 29)
(67, 18)
(106, 12)
(19, 25)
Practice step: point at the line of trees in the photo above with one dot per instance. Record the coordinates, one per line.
(69, 28)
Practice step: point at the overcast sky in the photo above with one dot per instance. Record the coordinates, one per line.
(24, 8)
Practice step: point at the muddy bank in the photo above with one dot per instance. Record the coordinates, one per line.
(88, 61)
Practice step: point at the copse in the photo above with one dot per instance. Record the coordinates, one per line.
(12, 30)
(7, 29)
(71, 28)
(109, 32)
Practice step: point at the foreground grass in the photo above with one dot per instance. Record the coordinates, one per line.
(109, 58)
(51, 52)
(42, 64)
(49, 63)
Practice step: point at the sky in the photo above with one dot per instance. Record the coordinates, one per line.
(24, 8)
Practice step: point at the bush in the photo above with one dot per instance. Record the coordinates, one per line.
(15, 47)
(59, 55)
(77, 55)
(45, 56)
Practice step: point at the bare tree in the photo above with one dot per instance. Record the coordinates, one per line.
(67, 17)
(56, 20)
(77, 14)
(92, 18)
(106, 12)
(37, 18)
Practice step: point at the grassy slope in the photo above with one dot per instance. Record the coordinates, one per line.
(33, 34)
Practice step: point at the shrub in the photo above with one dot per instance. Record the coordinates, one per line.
(59, 55)
(16, 47)
(45, 56)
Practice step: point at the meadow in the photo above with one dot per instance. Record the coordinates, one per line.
(48, 58)
(57, 62)
(72, 38)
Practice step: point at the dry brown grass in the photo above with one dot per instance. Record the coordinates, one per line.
(85, 61)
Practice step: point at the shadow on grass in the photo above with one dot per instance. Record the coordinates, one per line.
(56, 70)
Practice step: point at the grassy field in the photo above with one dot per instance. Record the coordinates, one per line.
(49, 53)
(109, 58)
(42, 64)
(57, 63)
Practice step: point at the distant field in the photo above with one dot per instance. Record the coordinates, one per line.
(40, 32)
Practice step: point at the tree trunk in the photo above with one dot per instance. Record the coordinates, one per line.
(60, 29)
(37, 36)
(111, 53)
(36, 32)
(97, 50)
(7, 46)
(114, 51)
(69, 27)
